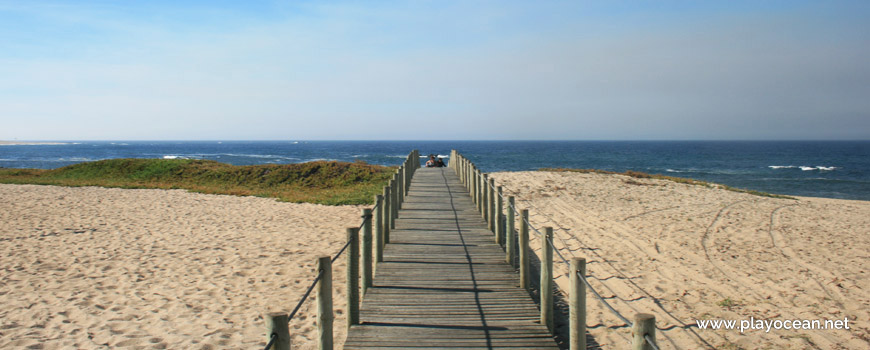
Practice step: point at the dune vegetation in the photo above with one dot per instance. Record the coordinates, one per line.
(331, 183)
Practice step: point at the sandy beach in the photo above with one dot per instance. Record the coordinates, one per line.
(88, 268)
(685, 252)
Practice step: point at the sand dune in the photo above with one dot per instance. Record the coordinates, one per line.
(86, 268)
(685, 252)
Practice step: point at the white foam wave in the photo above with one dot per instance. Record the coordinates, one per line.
(804, 167)
(261, 156)
(69, 159)
(175, 157)
(820, 168)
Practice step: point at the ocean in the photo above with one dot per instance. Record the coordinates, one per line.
(833, 169)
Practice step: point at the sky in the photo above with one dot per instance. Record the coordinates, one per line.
(434, 70)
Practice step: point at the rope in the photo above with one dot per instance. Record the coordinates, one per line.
(366, 218)
(606, 304)
(272, 340)
(305, 296)
(650, 342)
(594, 292)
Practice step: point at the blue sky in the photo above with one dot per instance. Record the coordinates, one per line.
(275, 70)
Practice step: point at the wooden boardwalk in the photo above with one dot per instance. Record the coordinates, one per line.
(444, 282)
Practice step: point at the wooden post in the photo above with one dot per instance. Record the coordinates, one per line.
(480, 198)
(408, 178)
(401, 187)
(499, 217)
(577, 305)
(324, 303)
(524, 250)
(474, 190)
(465, 173)
(472, 179)
(388, 209)
(547, 279)
(352, 277)
(367, 273)
(379, 229)
(510, 235)
(276, 323)
(492, 216)
(485, 192)
(644, 325)
(394, 202)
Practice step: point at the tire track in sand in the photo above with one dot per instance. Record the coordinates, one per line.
(780, 242)
(706, 237)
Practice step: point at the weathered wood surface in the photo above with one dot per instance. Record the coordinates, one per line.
(444, 282)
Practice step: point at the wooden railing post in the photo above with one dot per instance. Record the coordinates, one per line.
(276, 323)
(401, 187)
(407, 181)
(466, 175)
(352, 277)
(394, 202)
(367, 273)
(510, 236)
(547, 279)
(388, 210)
(324, 303)
(524, 250)
(644, 325)
(577, 306)
(485, 192)
(492, 215)
(499, 217)
(476, 188)
(481, 199)
(379, 229)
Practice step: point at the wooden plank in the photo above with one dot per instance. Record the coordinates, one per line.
(444, 282)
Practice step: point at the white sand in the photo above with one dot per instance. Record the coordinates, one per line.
(692, 248)
(89, 267)
(86, 268)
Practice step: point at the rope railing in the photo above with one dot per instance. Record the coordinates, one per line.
(583, 278)
(384, 212)
(620, 273)
(484, 192)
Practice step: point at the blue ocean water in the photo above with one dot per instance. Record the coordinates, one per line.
(835, 169)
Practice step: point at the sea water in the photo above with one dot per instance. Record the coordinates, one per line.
(835, 169)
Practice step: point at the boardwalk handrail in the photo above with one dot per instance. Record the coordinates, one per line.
(386, 206)
(566, 246)
(484, 193)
